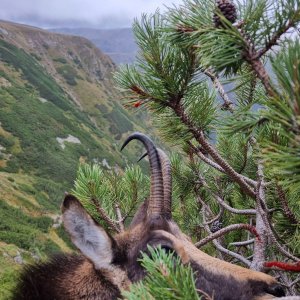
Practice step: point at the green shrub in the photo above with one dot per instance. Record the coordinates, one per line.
(68, 73)
(19, 229)
(34, 73)
(60, 60)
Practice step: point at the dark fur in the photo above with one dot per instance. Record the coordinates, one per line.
(51, 281)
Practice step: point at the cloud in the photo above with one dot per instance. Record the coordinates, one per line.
(96, 13)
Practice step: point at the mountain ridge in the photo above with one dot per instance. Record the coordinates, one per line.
(118, 43)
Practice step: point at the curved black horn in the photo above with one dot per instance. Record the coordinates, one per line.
(155, 207)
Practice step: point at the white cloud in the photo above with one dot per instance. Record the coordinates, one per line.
(93, 12)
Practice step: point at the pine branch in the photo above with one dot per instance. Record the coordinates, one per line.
(285, 206)
(200, 137)
(225, 230)
(277, 35)
(215, 165)
(266, 221)
(111, 223)
(251, 56)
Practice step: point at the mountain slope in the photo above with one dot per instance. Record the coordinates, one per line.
(119, 43)
(58, 107)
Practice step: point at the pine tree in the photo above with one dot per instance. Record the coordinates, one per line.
(223, 86)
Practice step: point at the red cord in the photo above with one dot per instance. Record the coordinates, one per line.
(284, 266)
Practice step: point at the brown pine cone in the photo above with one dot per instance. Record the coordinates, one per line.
(228, 9)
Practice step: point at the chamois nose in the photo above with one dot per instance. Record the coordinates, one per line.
(276, 290)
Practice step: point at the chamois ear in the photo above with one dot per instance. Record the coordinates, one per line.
(91, 239)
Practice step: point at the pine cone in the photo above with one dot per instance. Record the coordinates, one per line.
(228, 9)
(216, 226)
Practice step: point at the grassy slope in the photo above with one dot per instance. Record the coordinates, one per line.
(44, 95)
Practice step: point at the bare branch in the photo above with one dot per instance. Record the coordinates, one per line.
(225, 230)
(295, 281)
(120, 218)
(224, 204)
(228, 104)
(243, 243)
(259, 256)
(239, 257)
(217, 217)
(234, 210)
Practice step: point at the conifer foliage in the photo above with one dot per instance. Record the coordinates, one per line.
(222, 83)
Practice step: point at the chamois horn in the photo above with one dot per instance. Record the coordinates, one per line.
(155, 207)
(167, 181)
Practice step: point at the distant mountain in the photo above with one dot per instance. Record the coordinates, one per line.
(58, 107)
(119, 44)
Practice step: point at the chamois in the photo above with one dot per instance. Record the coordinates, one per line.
(108, 264)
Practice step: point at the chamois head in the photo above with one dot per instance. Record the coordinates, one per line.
(109, 264)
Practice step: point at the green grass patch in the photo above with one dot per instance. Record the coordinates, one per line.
(65, 237)
(22, 230)
(34, 73)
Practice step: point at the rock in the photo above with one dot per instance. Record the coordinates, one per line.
(18, 259)
(70, 139)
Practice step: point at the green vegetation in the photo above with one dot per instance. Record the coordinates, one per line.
(65, 237)
(8, 272)
(61, 60)
(167, 279)
(24, 231)
(68, 73)
(120, 122)
(34, 73)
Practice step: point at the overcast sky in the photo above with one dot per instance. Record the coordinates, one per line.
(78, 13)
